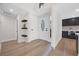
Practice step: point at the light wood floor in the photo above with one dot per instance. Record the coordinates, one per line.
(38, 48)
(13, 48)
(66, 47)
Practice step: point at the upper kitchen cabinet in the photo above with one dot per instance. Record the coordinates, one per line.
(76, 21)
(71, 21)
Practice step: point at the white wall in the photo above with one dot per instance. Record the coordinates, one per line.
(7, 28)
(45, 35)
(56, 27)
(34, 27)
(20, 25)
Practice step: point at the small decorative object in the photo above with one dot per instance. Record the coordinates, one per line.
(24, 26)
(42, 25)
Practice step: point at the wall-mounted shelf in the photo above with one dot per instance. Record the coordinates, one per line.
(24, 35)
(23, 28)
(24, 20)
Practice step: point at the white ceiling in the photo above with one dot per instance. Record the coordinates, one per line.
(67, 10)
(6, 7)
(23, 8)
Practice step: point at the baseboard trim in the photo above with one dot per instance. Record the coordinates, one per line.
(55, 44)
(7, 40)
(20, 40)
(0, 46)
(36, 39)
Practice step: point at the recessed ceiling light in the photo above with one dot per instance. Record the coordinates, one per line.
(11, 10)
(77, 10)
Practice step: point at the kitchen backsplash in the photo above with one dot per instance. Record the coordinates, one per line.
(70, 28)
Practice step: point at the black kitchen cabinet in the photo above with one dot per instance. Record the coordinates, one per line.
(71, 22)
(76, 21)
(66, 35)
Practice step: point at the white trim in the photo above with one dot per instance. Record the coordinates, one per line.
(7, 40)
(20, 40)
(0, 47)
(36, 39)
(55, 44)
